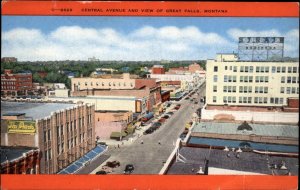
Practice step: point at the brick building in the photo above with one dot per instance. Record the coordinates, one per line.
(158, 69)
(62, 132)
(15, 84)
(20, 160)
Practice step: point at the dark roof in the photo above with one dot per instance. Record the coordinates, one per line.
(11, 153)
(247, 162)
(13, 114)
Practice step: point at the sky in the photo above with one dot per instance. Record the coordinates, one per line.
(50, 38)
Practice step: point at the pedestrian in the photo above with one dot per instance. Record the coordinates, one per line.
(142, 142)
(118, 146)
(158, 142)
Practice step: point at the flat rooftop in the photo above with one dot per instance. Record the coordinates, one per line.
(11, 153)
(220, 163)
(257, 129)
(33, 110)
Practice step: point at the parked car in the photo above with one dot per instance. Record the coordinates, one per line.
(177, 108)
(156, 124)
(170, 113)
(128, 169)
(166, 116)
(101, 172)
(113, 164)
(147, 117)
(149, 131)
(162, 120)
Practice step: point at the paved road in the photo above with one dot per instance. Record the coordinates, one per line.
(149, 157)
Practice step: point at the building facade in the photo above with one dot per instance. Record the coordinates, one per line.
(62, 132)
(9, 59)
(105, 82)
(240, 83)
(15, 84)
(158, 69)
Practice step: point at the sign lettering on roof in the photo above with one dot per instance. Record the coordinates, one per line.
(21, 127)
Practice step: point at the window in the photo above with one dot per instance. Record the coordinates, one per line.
(245, 78)
(224, 88)
(240, 100)
(246, 69)
(234, 89)
(260, 100)
(241, 78)
(265, 100)
(102, 83)
(250, 89)
(45, 136)
(225, 99)
(283, 69)
(229, 99)
(249, 100)
(297, 90)
(230, 68)
(266, 69)
(294, 80)
(293, 90)
(294, 69)
(272, 100)
(288, 90)
(234, 79)
(251, 69)
(245, 89)
(282, 79)
(289, 79)
(242, 69)
(256, 100)
(278, 69)
(49, 135)
(256, 78)
(261, 79)
(282, 90)
(257, 69)
(234, 68)
(280, 100)
(229, 78)
(215, 68)
(225, 78)
(250, 78)
(273, 69)
(215, 88)
(289, 69)
(244, 99)
(276, 100)
(266, 79)
(261, 89)
(85, 83)
(233, 99)
(262, 69)
(265, 90)
(256, 89)
(225, 67)
(91, 83)
(214, 99)
(229, 88)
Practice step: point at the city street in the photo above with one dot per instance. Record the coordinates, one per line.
(149, 157)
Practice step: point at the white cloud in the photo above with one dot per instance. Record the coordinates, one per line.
(291, 44)
(145, 43)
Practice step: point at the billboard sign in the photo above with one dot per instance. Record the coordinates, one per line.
(21, 127)
(265, 40)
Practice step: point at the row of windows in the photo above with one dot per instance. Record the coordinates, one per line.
(289, 90)
(48, 154)
(248, 100)
(243, 89)
(290, 80)
(260, 69)
(107, 84)
(8, 83)
(8, 87)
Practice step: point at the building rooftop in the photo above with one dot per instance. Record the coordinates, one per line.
(33, 110)
(257, 129)
(247, 163)
(11, 153)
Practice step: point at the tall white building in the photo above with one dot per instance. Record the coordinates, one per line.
(244, 83)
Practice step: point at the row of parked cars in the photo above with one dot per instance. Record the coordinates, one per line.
(163, 119)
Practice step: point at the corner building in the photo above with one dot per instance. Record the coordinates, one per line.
(61, 132)
(245, 83)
